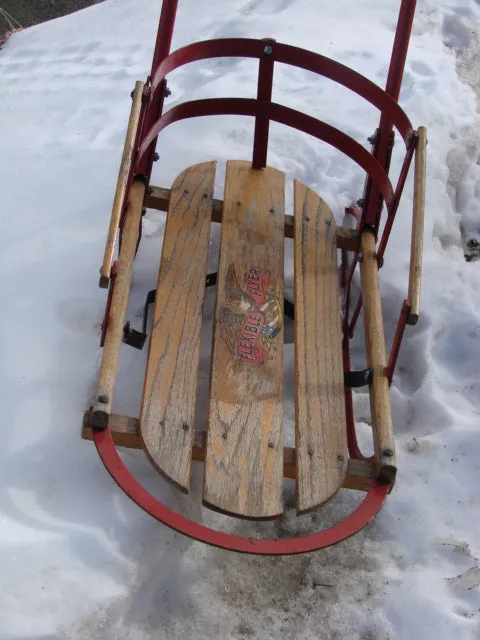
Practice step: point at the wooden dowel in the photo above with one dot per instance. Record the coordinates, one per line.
(121, 187)
(114, 334)
(384, 443)
(125, 434)
(158, 198)
(416, 254)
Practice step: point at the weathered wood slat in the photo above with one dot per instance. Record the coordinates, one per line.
(121, 188)
(416, 253)
(383, 439)
(118, 309)
(125, 434)
(244, 459)
(158, 197)
(320, 422)
(169, 394)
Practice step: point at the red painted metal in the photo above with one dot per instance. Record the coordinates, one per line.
(397, 340)
(155, 107)
(356, 314)
(396, 199)
(394, 83)
(301, 58)
(108, 306)
(264, 96)
(353, 448)
(284, 115)
(340, 531)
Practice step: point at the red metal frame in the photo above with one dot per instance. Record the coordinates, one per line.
(319, 540)
(378, 189)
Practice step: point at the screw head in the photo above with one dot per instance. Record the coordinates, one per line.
(388, 453)
(267, 50)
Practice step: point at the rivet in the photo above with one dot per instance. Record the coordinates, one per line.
(267, 50)
(388, 453)
(103, 399)
(185, 426)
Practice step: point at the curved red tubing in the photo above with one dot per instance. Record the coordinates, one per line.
(340, 531)
(296, 57)
(284, 115)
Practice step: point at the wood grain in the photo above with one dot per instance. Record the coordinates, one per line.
(170, 388)
(320, 421)
(125, 434)
(243, 470)
(416, 253)
(121, 187)
(384, 442)
(158, 198)
(118, 309)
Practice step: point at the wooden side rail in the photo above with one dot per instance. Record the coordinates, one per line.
(121, 188)
(126, 434)
(158, 198)
(118, 309)
(416, 254)
(384, 443)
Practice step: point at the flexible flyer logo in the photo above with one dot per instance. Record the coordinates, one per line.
(252, 316)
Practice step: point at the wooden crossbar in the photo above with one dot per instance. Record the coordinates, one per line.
(125, 434)
(158, 198)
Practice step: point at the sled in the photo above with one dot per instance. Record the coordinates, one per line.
(242, 449)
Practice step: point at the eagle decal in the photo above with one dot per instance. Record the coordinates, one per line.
(251, 317)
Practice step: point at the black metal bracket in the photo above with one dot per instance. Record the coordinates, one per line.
(355, 379)
(211, 280)
(289, 309)
(137, 339)
(131, 336)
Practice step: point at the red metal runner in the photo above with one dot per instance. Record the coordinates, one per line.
(340, 531)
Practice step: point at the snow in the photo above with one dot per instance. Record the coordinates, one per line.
(78, 559)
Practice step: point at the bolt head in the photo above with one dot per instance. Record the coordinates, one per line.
(267, 50)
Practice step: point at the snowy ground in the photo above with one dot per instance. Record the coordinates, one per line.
(78, 559)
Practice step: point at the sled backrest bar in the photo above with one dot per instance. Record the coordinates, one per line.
(264, 96)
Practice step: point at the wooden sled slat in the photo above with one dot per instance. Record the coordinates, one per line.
(320, 422)
(244, 458)
(169, 395)
(125, 434)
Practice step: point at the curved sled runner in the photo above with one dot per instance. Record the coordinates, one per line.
(245, 460)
